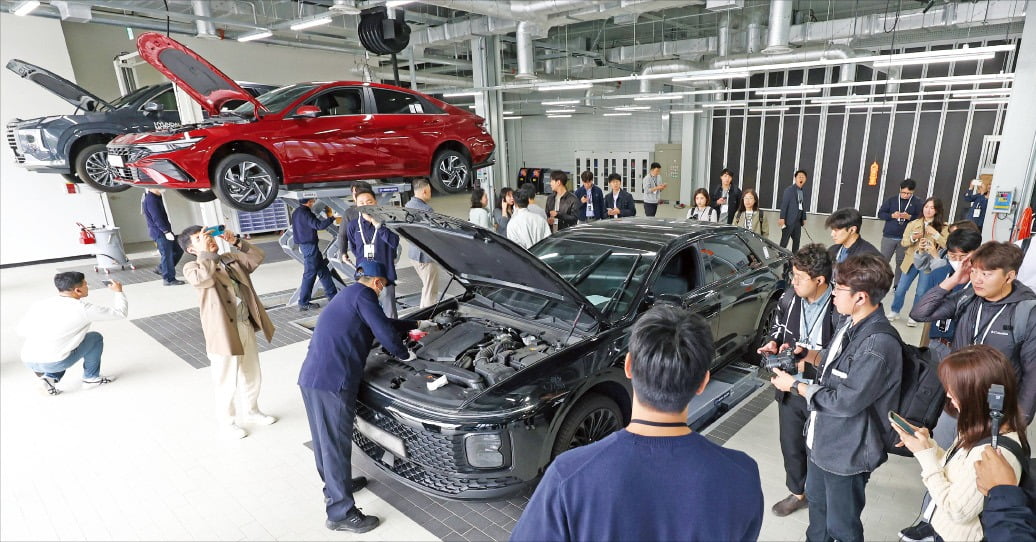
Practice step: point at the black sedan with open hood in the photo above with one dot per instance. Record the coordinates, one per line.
(528, 362)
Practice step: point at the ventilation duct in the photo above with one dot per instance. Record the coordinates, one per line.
(723, 36)
(664, 66)
(206, 28)
(72, 12)
(806, 54)
(526, 53)
(777, 38)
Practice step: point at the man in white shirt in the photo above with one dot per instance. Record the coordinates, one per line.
(57, 336)
(526, 228)
(535, 209)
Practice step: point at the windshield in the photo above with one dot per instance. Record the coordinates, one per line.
(276, 100)
(608, 276)
(123, 101)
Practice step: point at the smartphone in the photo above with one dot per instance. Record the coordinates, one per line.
(903, 424)
(106, 282)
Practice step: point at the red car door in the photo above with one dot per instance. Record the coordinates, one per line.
(408, 129)
(337, 144)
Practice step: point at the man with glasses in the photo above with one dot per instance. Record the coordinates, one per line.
(897, 212)
(805, 320)
(859, 374)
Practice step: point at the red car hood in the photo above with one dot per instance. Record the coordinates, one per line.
(202, 81)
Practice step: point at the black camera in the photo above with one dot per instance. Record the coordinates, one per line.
(785, 361)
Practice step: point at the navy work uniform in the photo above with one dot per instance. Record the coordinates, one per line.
(304, 232)
(161, 232)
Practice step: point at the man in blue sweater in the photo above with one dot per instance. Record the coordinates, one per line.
(897, 212)
(330, 380)
(304, 227)
(161, 232)
(656, 479)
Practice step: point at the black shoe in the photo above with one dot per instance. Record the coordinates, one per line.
(922, 532)
(174, 282)
(358, 483)
(156, 271)
(354, 522)
(308, 307)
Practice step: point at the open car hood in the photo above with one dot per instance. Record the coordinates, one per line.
(63, 88)
(202, 81)
(478, 256)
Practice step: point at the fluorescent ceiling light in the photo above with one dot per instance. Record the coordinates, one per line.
(991, 101)
(687, 112)
(507, 113)
(801, 89)
(617, 114)
(560, 102)
(658, 97)
(869, 105)
(981, 92)
(398, 3)
(461, 93)
(574, 85)
(963, 54)
(319, 21)
(25, 8)
(512, 118)
(471, 107)
(632, 108)
(713, 74)
(259, 35)
(559, 116)
(967, 79)
(768, 109)
(852, 98)
(743, 103)
(560, 111)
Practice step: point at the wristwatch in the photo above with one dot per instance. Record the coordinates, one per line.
(794, 390)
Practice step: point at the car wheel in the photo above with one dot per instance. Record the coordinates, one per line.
(197, 195)
(769, 315)
(92, 168)
(245, 182)
(451, 172)
(593, 418)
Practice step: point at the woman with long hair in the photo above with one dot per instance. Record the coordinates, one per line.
(924, 235)
(949, 475)
(478, 214)
(503, 210)
(748, 215)
(701, 209)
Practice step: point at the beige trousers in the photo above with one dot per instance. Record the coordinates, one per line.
(237, 379)
(429, 273)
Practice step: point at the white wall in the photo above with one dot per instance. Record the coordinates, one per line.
(37, 217)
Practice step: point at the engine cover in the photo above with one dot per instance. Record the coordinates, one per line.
(447, 346)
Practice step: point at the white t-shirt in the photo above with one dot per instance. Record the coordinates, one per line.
(479, 216)
(55, 326)
(527, 228)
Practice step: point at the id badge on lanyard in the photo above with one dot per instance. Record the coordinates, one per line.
(368, 251)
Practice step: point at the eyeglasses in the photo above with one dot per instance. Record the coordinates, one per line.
(840, 288)
(798, 279)
(905, 193)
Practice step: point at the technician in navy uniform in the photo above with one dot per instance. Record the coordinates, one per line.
(330, 379)
(304, 226)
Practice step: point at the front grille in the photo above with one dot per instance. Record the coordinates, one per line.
(130, 174)
(432, 457)
(13, 142)
(129, 153)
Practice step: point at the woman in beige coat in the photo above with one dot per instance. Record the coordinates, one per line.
(749, 216)
(926, 234)
(231, 314)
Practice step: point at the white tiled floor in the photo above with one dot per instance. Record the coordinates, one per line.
(140, 460)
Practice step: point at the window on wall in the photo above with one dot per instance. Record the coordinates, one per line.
(724, 255)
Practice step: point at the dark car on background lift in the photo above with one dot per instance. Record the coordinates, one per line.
(300, 136)
(528, 361)
(74, 145)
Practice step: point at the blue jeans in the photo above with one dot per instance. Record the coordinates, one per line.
(314, 266)
(89, 351)
(835, 505)
(170, 253)
(901, 289)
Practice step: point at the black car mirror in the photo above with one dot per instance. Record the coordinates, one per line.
(153, 107)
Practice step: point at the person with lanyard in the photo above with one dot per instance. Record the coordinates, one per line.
(562, 204)
(897, 212)
(350, 215)
(805, 320)
(653, 186)
(978, 199)
(726, 196)
(591, 197)
(368, 240)
(845, 227)
(858, 374)
(304, 227)
(701, 209)
(923, 239)
(618, 203)
(749, 216)
(793, 212)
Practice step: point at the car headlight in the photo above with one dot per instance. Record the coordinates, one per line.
(483, 450)
(30, 140)
(173, 145)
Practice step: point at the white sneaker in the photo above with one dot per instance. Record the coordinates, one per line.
(892, 316)
(47, 385)
(235, 432)
(911, 322)
(97, 382)
(259, 419)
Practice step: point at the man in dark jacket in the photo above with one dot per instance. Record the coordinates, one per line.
(368, 240)
(618, 202)
(350, 215)
(330, 380)
(897, 212)
(562, 205)
(1007, 514)
(591, 198)
(304, 227)
(793, 211)
(859, 376)
(726, 197)
(845, 227)
(161, 232)
(990, 312)
(806, 319)
(976, 196)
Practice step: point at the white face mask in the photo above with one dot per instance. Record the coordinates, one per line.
(955, 265)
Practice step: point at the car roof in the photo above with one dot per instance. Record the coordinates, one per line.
(643, 233)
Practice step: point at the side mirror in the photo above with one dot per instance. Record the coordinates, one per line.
(307, 111)
(153, 107)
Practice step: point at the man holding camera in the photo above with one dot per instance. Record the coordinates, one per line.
(805, 320)
(859, 374)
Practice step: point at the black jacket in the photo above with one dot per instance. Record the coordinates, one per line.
(1007, 516)
(596, 198)
(625, 205)
(304, 225)
(568, 209)
(787, 325)
(793, 218)
(861, 246)
(732, 202)
(938, 304)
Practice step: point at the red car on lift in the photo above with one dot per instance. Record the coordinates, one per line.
(297, 136)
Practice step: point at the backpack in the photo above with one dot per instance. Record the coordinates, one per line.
(1028, 480)
(921, 395)
(1019, 321)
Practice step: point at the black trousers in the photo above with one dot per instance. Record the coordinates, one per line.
(793, 232)
(650, 209)
(331, 416)
(791, 415)
(835, 505)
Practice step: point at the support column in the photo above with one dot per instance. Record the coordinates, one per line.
(485, 64)
(694, 159)
(1016, 160)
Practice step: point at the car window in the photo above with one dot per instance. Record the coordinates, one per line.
(679, 275)
(397, 103)
(123, 101)
(166, 99)
(276, 100)
(724, 255)
(338, 102)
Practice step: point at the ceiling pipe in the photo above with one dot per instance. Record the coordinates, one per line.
(526, 53)
(664, 66)
(723, 35)
(206, 28)
(777, 39)
(424, 78)
(805, 54)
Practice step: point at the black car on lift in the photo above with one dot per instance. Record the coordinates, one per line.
(75, 145)
(529, 359)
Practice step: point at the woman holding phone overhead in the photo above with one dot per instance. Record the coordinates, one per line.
(949, 475)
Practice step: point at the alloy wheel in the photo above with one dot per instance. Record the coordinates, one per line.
(248, 182)
(99, 171)
(453, 172)
(596, 425)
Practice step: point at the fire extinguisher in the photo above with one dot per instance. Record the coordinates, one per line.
(86, 237)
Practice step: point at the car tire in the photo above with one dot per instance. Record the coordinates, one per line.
(769, 314)
(451, 172)
(197, 195)
(91, 166)
(245, 182)
(591, 419)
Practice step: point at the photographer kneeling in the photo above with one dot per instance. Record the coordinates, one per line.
(859, 376)
(950, 475)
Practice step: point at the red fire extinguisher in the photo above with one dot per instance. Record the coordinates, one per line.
(86, 237)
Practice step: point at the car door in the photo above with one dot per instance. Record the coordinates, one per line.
(408, 129)
(679, 280)
(338, 143)
(731, 273)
